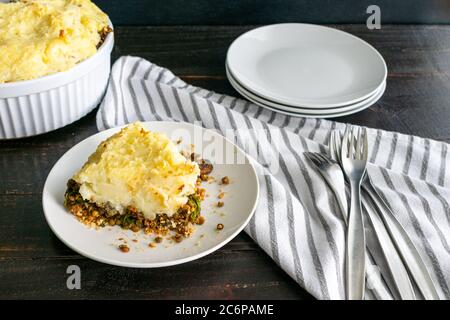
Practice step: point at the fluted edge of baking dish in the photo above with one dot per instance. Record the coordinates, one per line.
(37, 106)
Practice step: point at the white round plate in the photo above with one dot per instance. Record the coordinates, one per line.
(101, 244)
(306, 65)
(336, 114)
(371, 99)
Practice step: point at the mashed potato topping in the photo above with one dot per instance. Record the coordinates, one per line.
(41, 37)
(138, 168)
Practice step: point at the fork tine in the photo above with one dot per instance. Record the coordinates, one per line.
(345, 144)
(312, 157)
(352, 153)
(318, 155)
(323, 157)
(334, 150)
(359, 144)
(308, 154)
(331, 145)
(315, 160)
(365, 153)
(337, 137)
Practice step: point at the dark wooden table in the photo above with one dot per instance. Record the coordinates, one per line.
(33, 261)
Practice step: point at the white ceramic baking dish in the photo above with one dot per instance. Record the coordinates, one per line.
(47, 103)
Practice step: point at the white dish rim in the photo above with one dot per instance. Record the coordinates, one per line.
(310, 104)
(309, 115)
(157, 264)
(298, 109)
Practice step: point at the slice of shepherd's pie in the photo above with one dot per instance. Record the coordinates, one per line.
(138, 179)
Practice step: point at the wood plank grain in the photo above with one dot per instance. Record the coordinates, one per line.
(201, 50)
(416, 102)
(223, 275)
(28, 247)
(219, 12)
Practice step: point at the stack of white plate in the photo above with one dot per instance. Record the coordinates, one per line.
(306, 70)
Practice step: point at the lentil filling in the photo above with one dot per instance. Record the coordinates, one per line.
(180, 224)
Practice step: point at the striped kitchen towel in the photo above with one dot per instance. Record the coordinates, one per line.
(295, 221)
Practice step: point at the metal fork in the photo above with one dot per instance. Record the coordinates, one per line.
(354, 159)
(388, 259)
(331, 171)
(408, 252)
(333, 176)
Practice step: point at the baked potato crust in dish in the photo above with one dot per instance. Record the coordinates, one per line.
(42, 37)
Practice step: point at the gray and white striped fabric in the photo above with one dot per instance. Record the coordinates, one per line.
(295, 222)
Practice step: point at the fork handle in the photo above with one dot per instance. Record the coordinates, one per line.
(356, 246)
